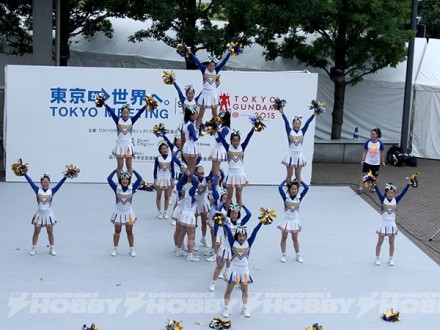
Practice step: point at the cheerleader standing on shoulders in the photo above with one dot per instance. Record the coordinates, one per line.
(236, 177)
(190, 150)
(224, 253)
(294, 158)
(124, 214)
(218, 153)
(163, 179)
(124, 145)
(388, 225)
(187, 218)
(208, 98)
(240, 247)
(290, 222)
(44, 216)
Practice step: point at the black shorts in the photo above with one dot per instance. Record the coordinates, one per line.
(374, 169)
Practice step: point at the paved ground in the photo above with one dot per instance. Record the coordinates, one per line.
(418, 215)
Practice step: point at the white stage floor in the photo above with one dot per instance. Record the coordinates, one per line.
(338, 284)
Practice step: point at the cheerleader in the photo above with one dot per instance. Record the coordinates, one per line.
(290, 222)
(175, 148)
(240, 247)
(218, 153)
(224, 254)
(124, 214)
(44, 216)
(202, 200)
(124, 148)
(209, 98)
(187, 218)
(236, 177)
(388, 225)
(163, 179)
(190, 150)
(294, 157)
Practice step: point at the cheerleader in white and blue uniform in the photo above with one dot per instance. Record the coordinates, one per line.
(290, 222)
(224, 254)
(163, 179)
(294, 158)
(240, 247)
(202, 200)
(44, 216)
(124, 214)
(210, 71)
(236, 177)
(388, 225)
(124, 148)
(187, 219)
(218, 153)
(190, 149)
(176, 153)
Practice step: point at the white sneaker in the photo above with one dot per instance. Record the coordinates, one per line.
(283, 259)
(212, 258)
(391, 262)
(299, 259)
(212, 286)
(159, 215)
(209, 252)
(165, 215)
(226, 312)
(173, 222)
(195, 248)
(132, 252)
(245, 312)
(377, 262)
(52, 251)
(192, 258)
(33, 251)
(114, 252)
(203, 241)
(178, 252)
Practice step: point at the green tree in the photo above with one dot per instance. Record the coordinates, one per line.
(429, 11)
(351, 38)
(15, 25)
(192, 23)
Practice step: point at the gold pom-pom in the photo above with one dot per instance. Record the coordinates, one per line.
(146, 186)
(219, 218)
(218, 324)
(258, 123)
(235, 48)
(315, 326)
(71, 171)
(414, 179)
(151, 103)
(217, 80)
(174, 325)
(160, 130)
(279, 104)
(267, 216)
(93, 326)
(370, 180)
(391, 316)
(99, 100)
(317, 107)
(169, 77)
(183, 50)
(212, 126)
(19, 168)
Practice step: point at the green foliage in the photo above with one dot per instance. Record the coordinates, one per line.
(429, 11)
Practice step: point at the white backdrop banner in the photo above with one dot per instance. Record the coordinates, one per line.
(51, 119)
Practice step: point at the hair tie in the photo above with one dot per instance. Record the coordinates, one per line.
(241, 229)
(44, 175)
(390, 186)
(123, 174)
(298, 118)
(189, 87)
(212, 58)
(234, 207)
(236, 132)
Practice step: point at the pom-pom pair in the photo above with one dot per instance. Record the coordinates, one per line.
(317, 107)
(235, 48)
(267, 216)
(370, 180)
(160, 130)
(151, 103)
(257, 122)
(183, 50)
(169, 77)
(174, 325)
(218, 324)
(391, 316)
(19, 168)
(279, 104)
(71, 171)
(212, 126)
(146, 186)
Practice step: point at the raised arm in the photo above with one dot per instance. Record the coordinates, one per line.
(306, 125)
(196, 60)
(112, 113)
(111, 182)
(247, 216)
(223, 141)
(379, 194)
(137, 182)
(305, 190)
(192, 132)
(58, 186)
(230, 235)
(179, 92)
(195, 184)
(214, 185)
(222, 63)
(181, 182)
(398, 198)
(223, 132)
(254, 234)
(31, 183)
(170, 144)
(248, 138)
(286, 125)
(281, 190)
(138, 114)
